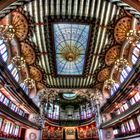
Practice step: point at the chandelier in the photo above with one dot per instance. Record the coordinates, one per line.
(29, 83)
(120, 64)
(19, 61)
(132, 36)
(7, 32)
(109, 83)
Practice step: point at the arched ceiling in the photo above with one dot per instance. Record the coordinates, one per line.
(100, 15)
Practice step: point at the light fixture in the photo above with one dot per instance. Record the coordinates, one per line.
(29, 83)
(109, 83)
(133, 36)
(19, 61)
(7, 32)
(120, 64)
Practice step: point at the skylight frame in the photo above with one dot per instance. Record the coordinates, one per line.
(64, 67)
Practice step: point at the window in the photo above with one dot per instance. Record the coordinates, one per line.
(137, 96)
(14, 71)
(6, 101)
(132, 125)
(1, 121)
(135, 54)
(3, 50)
(13, 106)
(24, 87)
(7, 127)
(125, 106)
(132, 101)
(138, 118)
(123, 128)
(1, 97)
(16, 130)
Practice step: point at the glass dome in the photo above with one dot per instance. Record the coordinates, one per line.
(69, 96)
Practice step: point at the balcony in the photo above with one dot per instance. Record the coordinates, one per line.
(123, 115)
(7, 111)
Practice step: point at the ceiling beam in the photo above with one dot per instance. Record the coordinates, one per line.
(5, 3)
(133, 3)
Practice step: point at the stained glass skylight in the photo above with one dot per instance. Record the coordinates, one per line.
(70, 42)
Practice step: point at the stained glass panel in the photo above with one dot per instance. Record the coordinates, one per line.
(70, 44)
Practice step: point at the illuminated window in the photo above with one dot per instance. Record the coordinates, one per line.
(125, 73)
(1, 97)
(14, 71)
(125, 106)
(132, 101)
(132, 125)
(138, 118)
(1, 121)
(6, 101)
(7, 127)
(123, 128)
(136, 53)
(3, 50)
(70, 47)
(24, 87)
(16, 130)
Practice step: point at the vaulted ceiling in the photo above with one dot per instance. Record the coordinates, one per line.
(101, 15)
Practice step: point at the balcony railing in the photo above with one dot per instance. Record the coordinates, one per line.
(70, 122)
(123, 115)
(4, 109)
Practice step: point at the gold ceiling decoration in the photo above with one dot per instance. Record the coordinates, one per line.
(103, 74)
(19, 62)
(120, 64)
(27, 53)
(112, 54)
(29, 83)
(109, 83)
(35, 73)
(121, 29)
(7, 32)
(40, 86)
(70, 53)
(20, 25)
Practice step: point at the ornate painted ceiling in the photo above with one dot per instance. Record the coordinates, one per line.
(69, 43)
